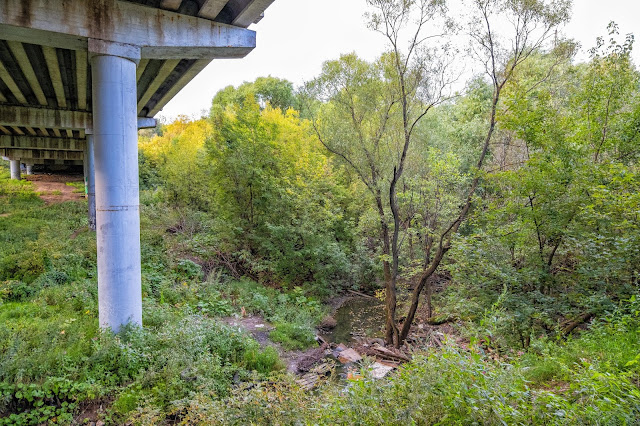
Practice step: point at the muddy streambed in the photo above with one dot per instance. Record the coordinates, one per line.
(356, 318)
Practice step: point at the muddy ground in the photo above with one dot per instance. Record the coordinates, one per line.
(54, 189)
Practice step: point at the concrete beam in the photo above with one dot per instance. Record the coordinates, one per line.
(195, 69)
(211, 8)
(38, 143)
(251, 13)
(25, 65)
(147, 123)
(159, 33)
(24, 154)
(45, 162)
(162, 75)
(44, 117)
(51, 58)
(54, 118)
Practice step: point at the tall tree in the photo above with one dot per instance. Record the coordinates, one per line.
(501, 48)
(382, 104)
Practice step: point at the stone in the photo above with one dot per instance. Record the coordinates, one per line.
(328, 323)
(378, 370)
(349, 355)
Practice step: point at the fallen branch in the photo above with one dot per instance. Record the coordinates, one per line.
(390, 354)
(361, 294)
(439, 320)
(571, 325)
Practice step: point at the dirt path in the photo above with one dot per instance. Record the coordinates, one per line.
(54, 189)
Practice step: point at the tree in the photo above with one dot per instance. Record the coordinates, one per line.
(278, 195)
(371, 112)
(276, 92)
(533, 22)
(555, 241)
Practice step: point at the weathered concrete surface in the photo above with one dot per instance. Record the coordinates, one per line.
(41, 143)
(47, 118)
(159, 33)
(48, 162)
(32, 154)
(11, 115)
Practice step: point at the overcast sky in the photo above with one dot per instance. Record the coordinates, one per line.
(297, 36)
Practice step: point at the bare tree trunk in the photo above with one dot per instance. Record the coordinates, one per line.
(443, 246)
(391, 329)
(429, 295)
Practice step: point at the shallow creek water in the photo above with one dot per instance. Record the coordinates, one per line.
(358, 317)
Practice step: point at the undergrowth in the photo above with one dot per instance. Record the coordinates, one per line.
(185, 366)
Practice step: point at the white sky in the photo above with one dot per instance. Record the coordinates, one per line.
(297, 36)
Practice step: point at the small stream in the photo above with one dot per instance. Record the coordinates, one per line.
(357, 317)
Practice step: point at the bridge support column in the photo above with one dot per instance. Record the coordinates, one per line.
(14, 167)
(89, 182)
(29, 169)
(115, 133)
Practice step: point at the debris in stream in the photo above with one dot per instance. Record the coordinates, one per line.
(309, 360)
(316, 375)
(348, 355)
(379, 370)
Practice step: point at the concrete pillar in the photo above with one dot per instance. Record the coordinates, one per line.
(29, 169)
(115, 133)
(14, 166)
(89, 181)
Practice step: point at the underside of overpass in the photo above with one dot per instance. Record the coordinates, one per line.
(78, 78)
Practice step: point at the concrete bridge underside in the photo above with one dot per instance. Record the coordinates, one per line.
(78, 78)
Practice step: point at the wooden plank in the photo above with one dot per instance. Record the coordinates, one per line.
(25, 65)
(163, 73)
(51, 57)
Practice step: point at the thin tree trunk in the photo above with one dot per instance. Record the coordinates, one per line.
(429, 293)
(443, 246)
